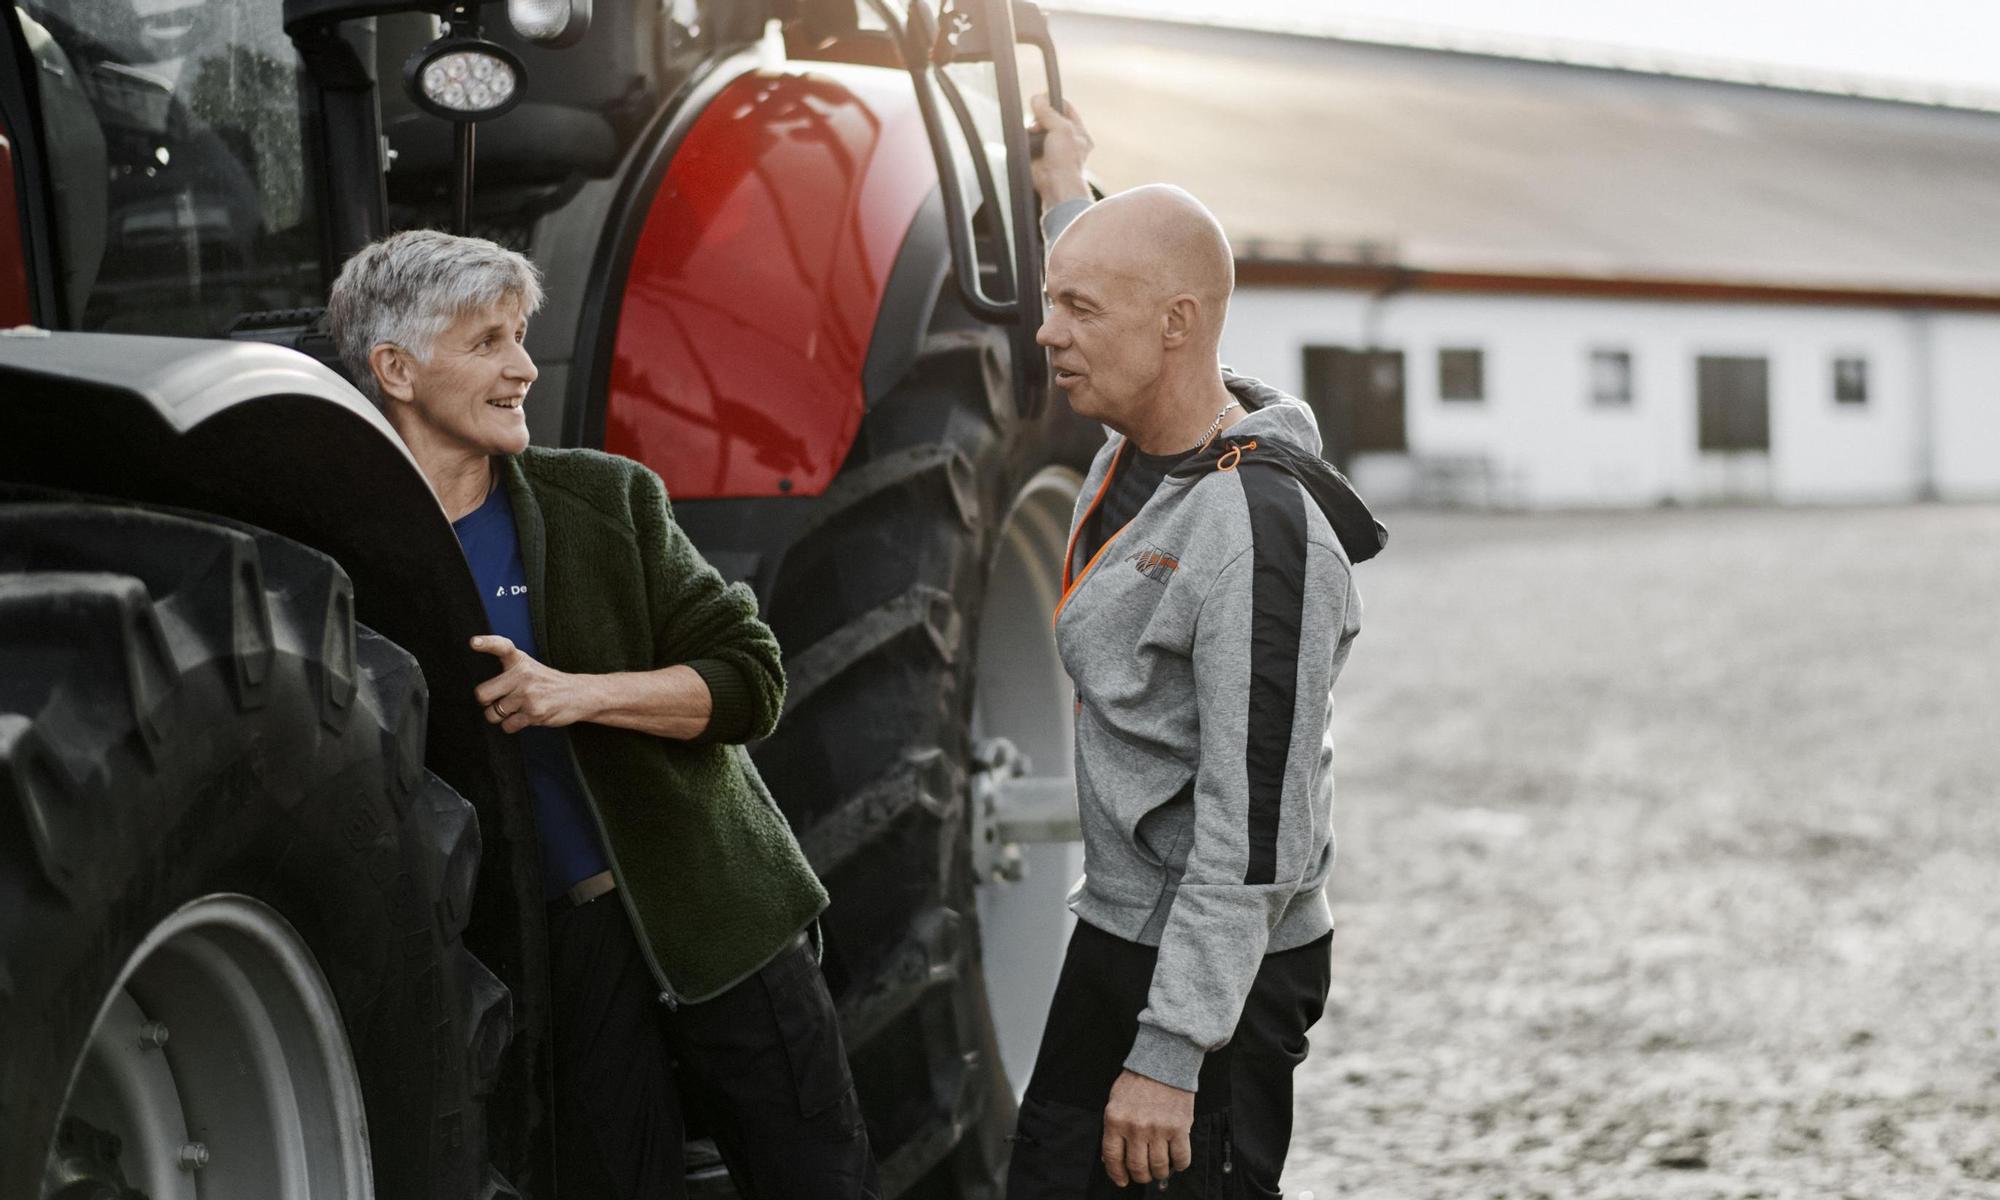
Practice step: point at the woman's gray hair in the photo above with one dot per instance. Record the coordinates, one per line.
(409, 287)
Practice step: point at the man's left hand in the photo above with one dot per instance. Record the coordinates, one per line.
(1058, 169)
(1146, 1130)
(527, 692)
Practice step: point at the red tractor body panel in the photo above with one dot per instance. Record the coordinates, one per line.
(16, 307)
(753, 289)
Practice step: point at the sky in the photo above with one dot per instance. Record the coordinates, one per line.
(1936, 50)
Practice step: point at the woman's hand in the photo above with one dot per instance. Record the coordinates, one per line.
(527, 692)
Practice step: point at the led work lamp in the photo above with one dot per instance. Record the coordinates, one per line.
(463, 78)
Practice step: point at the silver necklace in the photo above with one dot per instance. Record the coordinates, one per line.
(1213, 426)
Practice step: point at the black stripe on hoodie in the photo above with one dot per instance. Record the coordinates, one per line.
(1277, 606)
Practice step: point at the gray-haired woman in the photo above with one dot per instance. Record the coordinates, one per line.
(679, 900)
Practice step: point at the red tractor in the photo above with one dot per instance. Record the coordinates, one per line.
(269, 918)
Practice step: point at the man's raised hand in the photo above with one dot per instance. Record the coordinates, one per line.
(1058, 170)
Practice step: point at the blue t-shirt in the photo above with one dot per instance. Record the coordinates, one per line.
(570, 849)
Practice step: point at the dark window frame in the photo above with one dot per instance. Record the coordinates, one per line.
(1359, 397)
(1850, 391)
(1455, 385)
(1733, 403)
(1600, 397)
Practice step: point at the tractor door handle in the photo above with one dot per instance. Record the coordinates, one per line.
(988, 30)
(1031, 362)
(918, 37)
(1002, 25)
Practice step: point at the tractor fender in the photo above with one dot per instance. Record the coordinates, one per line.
(266, 436)
(744, 305)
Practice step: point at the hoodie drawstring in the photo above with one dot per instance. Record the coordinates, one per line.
(1234, 455)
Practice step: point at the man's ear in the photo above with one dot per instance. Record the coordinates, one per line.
(1178, 325)
(394, 374)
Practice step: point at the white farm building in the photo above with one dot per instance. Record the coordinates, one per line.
(1534, 284)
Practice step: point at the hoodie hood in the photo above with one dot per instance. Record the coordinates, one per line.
(1270, 413)
(1279, 432)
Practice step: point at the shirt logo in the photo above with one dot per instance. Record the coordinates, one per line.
(1154, 563)
(505, 589)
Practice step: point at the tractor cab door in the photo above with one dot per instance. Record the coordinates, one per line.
(160, 165)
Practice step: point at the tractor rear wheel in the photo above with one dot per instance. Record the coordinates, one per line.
(231, 897)
(924, 690)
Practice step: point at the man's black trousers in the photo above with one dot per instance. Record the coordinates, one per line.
(1242, 1105)
(764, 1058)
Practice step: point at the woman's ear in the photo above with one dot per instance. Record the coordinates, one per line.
(395, 377)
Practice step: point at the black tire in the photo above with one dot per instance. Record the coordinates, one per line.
(875, 601)
(187, 708)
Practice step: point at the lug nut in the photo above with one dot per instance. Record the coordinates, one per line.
(194, 1156)
(152, 1035)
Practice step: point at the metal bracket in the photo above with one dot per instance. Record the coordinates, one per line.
(1037, 809)
(1012, 808)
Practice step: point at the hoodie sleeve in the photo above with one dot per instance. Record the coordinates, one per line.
(1059, 216)
(1265, 646)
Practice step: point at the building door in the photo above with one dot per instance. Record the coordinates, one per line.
(1357, 396)
(1733, 414)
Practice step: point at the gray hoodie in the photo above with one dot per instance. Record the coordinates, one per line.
(1204, 640)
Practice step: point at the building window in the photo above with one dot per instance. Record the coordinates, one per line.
(1850, 380)
(1461, 375)
(1733, 401)
(1611, 377)
(1357, 396)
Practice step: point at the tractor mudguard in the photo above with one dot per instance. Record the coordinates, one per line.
(266, 436)
(747, 300)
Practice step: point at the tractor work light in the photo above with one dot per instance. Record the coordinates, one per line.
(553, 23)
(464, 78)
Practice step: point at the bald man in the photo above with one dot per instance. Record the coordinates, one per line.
(1208, 607)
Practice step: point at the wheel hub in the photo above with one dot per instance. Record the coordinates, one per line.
(217, 1068)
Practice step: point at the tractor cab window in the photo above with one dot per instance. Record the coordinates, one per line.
(173, 134)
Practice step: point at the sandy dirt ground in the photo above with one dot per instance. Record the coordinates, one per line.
(1669, 861)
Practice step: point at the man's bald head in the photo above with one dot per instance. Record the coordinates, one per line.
(1138, 288)
(1162, 239)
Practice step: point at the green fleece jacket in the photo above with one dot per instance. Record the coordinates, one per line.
(707, 867)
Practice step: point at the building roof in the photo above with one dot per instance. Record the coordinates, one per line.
(1317, 150)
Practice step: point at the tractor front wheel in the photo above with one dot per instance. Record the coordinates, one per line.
(231, 896)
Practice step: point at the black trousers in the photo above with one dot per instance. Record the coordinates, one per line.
(1242, 1104)
(765, 1058)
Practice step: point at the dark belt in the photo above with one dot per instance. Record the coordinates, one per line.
(599, 885)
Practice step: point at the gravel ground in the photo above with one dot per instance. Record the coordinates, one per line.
(1668, 861)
